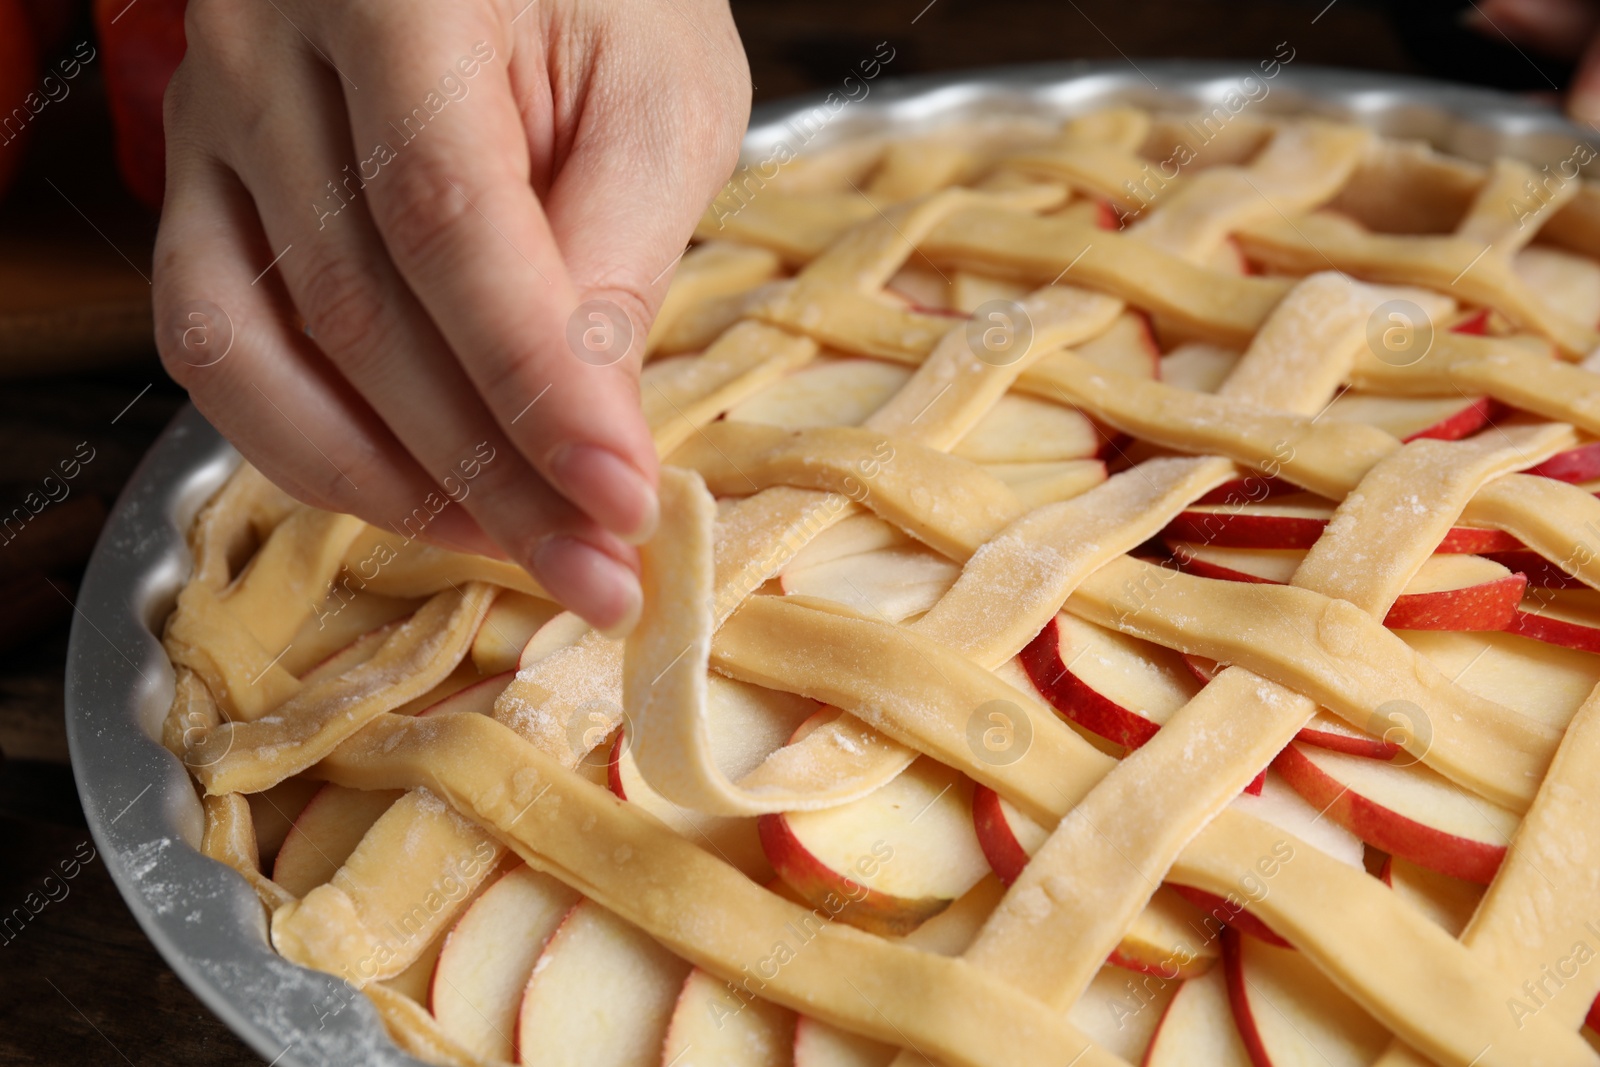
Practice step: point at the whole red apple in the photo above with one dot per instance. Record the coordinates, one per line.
(141, 44)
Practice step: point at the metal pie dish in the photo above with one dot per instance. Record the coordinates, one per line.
(140, 801)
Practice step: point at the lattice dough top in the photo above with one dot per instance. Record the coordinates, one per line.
(1104, 612)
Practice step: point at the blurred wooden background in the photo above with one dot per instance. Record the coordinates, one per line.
(81, 983)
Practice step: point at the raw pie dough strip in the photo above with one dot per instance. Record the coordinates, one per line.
(1432, 373)
(290, 574)
(1540, 906)
(230, 837)
(412, 660)
(1016, 583)
(699, 907)
(202, 634)
(1327, 458)
(391, 564)
(1301, 168)
(1490, 219)
(891, 478)
(1129, 829)
(707, 272)
(1226, 308)
(1446, 263)
(664, 677)
(365, 925)
(748, 357)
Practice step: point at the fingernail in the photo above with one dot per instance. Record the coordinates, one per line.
(608, 488)
(588, 581)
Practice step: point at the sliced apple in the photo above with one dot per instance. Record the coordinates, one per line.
(416, 981)
(1296, 520)
(826, 392)
(512, 621)
(817, 1044)
(1170, 937)
(465, 676)
(1198, 1027)
(1545, 682)
(601, 992)
(1127, 345)
(1198, 366)
(1038, 484)
(1449, 592)
(562, 630)
(1475, 323)
(273, 811)
(1023, 429)
(1447, 418)
(477, 698)
(1566, 617)
(1290, 1015)
(1406, 810)
(1119, 687)
(889, 861)
(889, 583)
(849, 537)
(1120, 1010)
(1580, 463)
(327, 831)
(736, 840)
(1279, 804)
(1446, 902)
(489, 955)
(712, 1026)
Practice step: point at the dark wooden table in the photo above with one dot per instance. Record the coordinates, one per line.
(80, 984)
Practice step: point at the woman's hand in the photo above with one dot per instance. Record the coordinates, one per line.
(410, 251)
